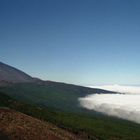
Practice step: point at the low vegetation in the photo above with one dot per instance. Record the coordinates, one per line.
(18, 126)
(51, 94)
(91, 127)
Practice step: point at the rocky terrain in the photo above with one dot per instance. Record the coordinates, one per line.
(18, 126)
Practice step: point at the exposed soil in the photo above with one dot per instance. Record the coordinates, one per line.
(18, 126)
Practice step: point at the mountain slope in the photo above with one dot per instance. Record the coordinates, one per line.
(16, 125)
(13, 75)
(51, 94)
(95, 127)
(45, 93)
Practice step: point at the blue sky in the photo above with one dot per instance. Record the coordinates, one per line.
(85, 42)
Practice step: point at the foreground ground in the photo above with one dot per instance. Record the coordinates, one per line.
(85, 126)
(18, 126)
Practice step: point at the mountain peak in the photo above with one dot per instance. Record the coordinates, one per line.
(13, 75)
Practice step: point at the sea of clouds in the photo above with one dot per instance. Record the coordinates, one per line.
(125, 106)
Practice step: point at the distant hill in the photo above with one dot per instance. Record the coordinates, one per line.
(13, 75)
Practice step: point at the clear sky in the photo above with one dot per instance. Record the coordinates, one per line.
(84, 42)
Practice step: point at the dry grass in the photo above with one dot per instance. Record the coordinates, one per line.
(18, 126)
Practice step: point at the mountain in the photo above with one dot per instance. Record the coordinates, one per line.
(13, 75)
(44, 93)
(58, 104)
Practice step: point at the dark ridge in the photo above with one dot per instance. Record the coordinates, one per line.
(13, 75)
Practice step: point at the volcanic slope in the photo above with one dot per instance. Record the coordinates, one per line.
(15, 125)
(13, 75)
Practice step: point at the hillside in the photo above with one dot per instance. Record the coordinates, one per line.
(50, 94)
(13, 75)
(88, 127)
(23, 87)
(18, 126)
(56, 103)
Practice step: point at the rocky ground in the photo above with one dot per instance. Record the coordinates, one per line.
(18, 126)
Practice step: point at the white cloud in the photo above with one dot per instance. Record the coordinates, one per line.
(126, 106)
(119, 88)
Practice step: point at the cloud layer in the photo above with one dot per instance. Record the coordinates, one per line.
(126, 106)
(119, 88)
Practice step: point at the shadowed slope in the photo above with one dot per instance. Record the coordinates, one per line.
(11, 74)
